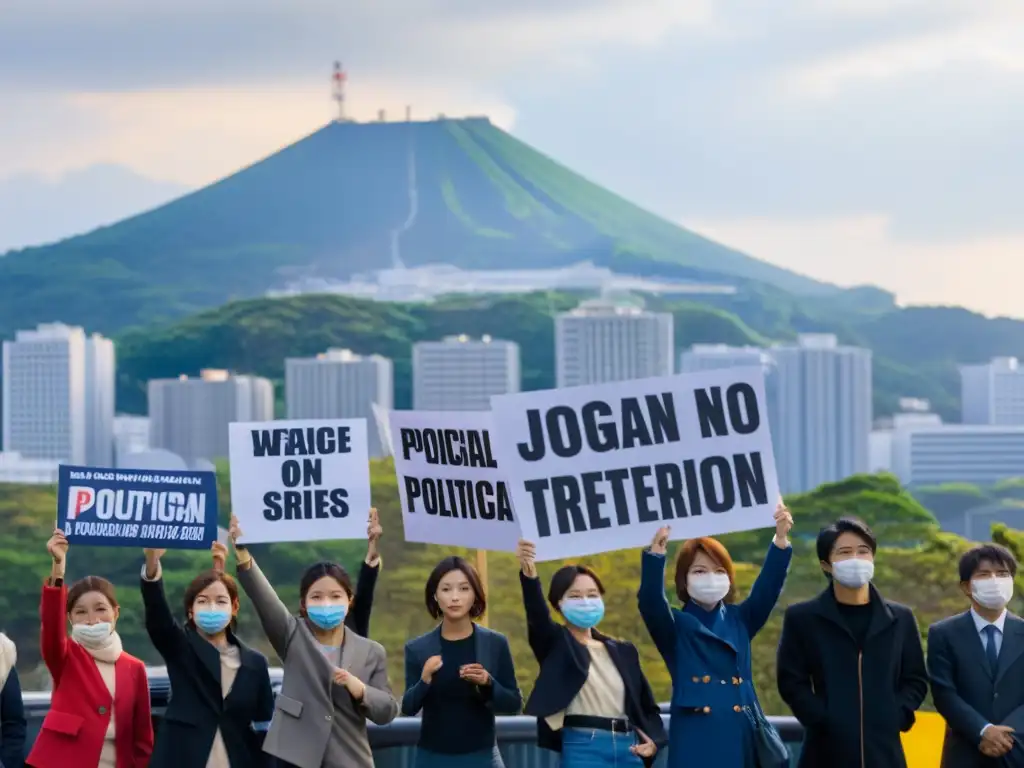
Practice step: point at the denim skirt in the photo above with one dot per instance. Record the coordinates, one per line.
(489, 758)
(593, 748)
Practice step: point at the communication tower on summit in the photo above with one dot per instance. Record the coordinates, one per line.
(338, 80)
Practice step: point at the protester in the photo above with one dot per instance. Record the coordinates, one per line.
(99, 708)
(850, 664)
(976, 665)
(706, 643)
(12, 710)
(358, 617)
(331, 674)
(460, 674)
(222, 702)
(591, 699)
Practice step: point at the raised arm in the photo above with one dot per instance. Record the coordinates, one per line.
(358, 618)
(164, 632)
(654, 607)
(53, 636)
(541, 630)
(961, 716)
(279, 624)
(755, 610)
(913, 683)
(794, 676)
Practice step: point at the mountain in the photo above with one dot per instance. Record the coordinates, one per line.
(916, 350)
(461, 192)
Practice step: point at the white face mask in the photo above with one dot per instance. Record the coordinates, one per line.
(91, 635)
(853, 573)
(993, 593)
(707, 588)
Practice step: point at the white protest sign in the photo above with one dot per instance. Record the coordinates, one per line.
(599, 468)
(449, 485)
(300, 480)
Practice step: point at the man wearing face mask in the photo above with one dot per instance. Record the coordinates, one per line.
(850, 663)
(976, 663)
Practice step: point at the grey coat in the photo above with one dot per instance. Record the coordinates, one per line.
(317, 724)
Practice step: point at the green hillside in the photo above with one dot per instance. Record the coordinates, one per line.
(916, 566)
(255, 336)
(326, 207)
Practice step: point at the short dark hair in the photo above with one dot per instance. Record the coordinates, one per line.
(971, 560)
(563, 579)
(91, 584)
(828, 535)
(714, 549)
(442, 569)
(317, 571)
(201, 582)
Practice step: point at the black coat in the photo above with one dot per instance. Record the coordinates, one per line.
(564, 665)
(12, 723)
(852, 703)
(197, 708)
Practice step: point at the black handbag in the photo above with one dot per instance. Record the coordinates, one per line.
(770, 751)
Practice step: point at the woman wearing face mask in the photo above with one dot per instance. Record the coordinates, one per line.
(591, 699)
(99, 708)
(460, 674)
(334, 679)
(706, 643)
(222, 702)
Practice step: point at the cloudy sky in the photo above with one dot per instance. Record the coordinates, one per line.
(857, 141)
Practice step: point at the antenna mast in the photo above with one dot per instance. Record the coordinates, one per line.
(338, 80)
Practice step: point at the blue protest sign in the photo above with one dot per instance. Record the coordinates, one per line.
(154, 509)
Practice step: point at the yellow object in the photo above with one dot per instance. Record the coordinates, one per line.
(923, 743)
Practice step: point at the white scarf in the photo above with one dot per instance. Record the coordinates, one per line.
(108, 652)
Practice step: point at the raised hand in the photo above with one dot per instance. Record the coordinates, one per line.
(219, 553)
(153, 561)
(235, 533)
(659, 544)
(430, 669)
(783, 524)
(374, 531)
(57, 546)
(526, 551)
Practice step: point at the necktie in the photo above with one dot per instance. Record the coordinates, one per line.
(990, 647)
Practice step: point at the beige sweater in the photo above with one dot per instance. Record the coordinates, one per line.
(603, 693)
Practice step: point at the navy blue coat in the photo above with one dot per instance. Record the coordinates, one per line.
(710, 668)
(12, 723)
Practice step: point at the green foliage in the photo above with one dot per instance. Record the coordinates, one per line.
(916, 565)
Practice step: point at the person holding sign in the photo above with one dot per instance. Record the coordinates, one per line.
(222, 702)
(358, 618)
(591, 699)
(706, 644)
(334, 679)
(99, 709)
(448, 675)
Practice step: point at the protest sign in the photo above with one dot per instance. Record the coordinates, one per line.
(151, 509)
(300, 480)
(599, 468)
(450, 487)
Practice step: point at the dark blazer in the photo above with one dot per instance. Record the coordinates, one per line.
(12, 710)
(564, 665)
(197, 707)
(502, 696)
(969, 696)
(845, 696)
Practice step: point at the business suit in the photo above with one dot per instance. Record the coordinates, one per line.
(12, 709)
(318, 724)
(968, 694)
(712, 693)
(75, 727)
(198, 708)
(565, 664)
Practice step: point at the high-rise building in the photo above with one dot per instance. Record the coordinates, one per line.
(58, 395)
(131, 436)
(714, 357)
(190, 416)
(993, 393)
(461, 374)
(339, 384)
(603, 340)
(823, 417)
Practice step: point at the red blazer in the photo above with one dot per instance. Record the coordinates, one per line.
(73, 732)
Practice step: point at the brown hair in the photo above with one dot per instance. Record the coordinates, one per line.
(90, 584)
(201, 582)
(714, 549)
(442, 569)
